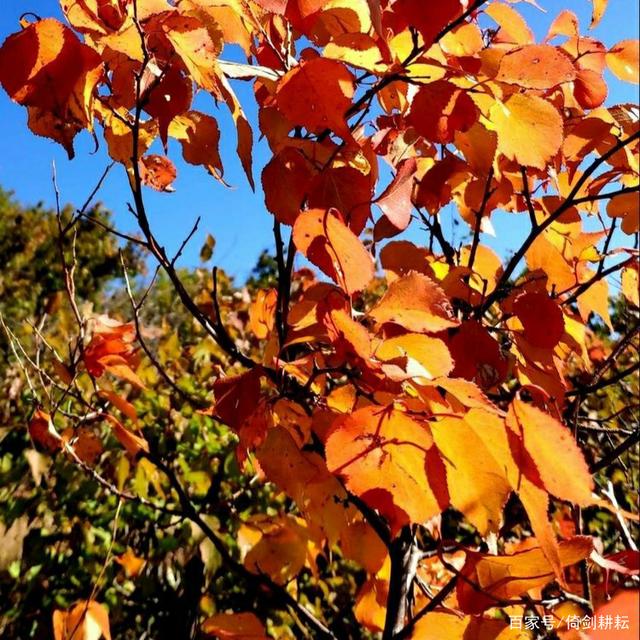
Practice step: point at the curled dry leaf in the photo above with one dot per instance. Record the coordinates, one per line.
(112, 349)
(157, 172)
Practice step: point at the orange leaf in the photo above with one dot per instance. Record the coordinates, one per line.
(599, 7)
(197, 47)
(347, 186)
(131, 563)
(536, 66)
(86, 445)
(626, 604)
(508, 576)
(382, 455)
(595, 299)
(349, 337)
(627, 207)
(547, 454)
(590, 89)
(622, 60)
(244, 146)
(498, 440)
(235, 626)
(565, 24)
(439, 109)
(371, 602)
(487, 268)
(286, 182)
(400, 257)
(46, 68)
(478, 146)
(111, 349)
(447, 626)
(120, 403)
(475, 481)
(87, 620)
(133, 444)
(438, 183)
(43, 431)
(395, 200)
(416, 303)
(316, 94)
(262, 313)
(304, 477)
(276, 546)
(199, 136)
(157, 172)
(327, 242)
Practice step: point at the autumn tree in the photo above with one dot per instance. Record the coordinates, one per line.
(429, 438)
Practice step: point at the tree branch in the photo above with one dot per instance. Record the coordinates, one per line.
(612, 456)
(569, 202)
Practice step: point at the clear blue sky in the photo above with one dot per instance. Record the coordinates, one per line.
(236, 217)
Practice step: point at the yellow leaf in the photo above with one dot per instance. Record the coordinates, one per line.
(630, 284)
(418, 356)
(547, 454)
(622, 60)
(358, 50)
(529, 129)
(476, 482)
(274, 546)
(450, 626)
(599, 7)
(513, 28)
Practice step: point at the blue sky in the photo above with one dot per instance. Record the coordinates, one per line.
(235, 216)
